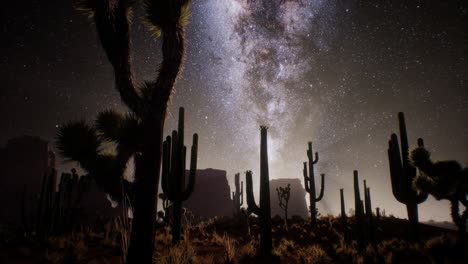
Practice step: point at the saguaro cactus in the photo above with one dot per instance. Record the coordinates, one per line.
(238, 195)
(309, 182)
(173, 173)
(359, 211)
(402, 174)
(264, 210)
(343, 209)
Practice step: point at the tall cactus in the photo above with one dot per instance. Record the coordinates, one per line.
(238, 194)
(309, 182)
(343, 209)
(359, 212)
(372, 228)
(367, 200)
(264, 210)
(173, 173)
(402, 174)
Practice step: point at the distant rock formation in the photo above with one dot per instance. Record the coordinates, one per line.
(297, 200)
(23, 163)
(211, 195)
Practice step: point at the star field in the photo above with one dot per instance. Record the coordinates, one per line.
(323, 71)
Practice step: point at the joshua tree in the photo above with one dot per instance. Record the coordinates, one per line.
(402, 174)
(264, 210)
(283, 200)
(238, 195)
(443, 180)
(148, 106)
(173, 173)
(309, 182)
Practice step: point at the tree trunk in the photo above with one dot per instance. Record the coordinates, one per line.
(412, 210)
(176, 221)
(147, 167)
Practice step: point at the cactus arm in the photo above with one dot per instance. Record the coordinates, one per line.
(306, 178)
(322, 188)
(241, 195)
(409, 170)
(396, 169)
(193, 168)
(316, 158)
(250, 196)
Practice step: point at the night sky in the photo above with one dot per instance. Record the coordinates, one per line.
(332, 72)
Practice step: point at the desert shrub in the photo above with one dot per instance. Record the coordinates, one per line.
(397, 251)
(346, 253)
(181, 253)
(443, 249)
(66, 249)
(284, 248)
(313, 255)
(250, 248)
(230, 248)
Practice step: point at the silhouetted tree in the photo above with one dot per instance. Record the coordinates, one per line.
(148, 105)
(283, 200)
(443, 180)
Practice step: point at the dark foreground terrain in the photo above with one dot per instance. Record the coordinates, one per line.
(233, 241)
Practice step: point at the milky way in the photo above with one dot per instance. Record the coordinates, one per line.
(310, 72)
(332, 72)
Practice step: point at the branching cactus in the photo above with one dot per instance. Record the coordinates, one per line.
(283, 200)
(238, 195)
(309, 182)
(370, 217)
(264, 210)
(402, 174)
(173, 173)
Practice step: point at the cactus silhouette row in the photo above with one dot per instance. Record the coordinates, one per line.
(56, 211)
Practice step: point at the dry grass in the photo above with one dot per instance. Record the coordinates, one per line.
(230, 247)
(313, 254)
(179, 254)
(284, 248)
(249, 249)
